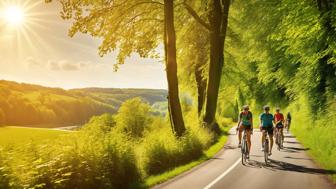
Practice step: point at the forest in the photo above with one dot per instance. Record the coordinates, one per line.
(37, 106)
(224, 53)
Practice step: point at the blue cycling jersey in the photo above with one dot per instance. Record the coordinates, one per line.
(266, 120)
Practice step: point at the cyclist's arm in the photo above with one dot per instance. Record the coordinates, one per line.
(239, 120)
(251, 120)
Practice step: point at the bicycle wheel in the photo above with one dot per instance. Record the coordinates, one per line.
(279, 140)
(242, 153)
(266, 151)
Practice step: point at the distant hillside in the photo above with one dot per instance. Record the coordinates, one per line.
(27, 104)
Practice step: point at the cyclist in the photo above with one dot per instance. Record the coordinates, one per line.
(266, 125)
(245, 122)
(279, 122)
(289, 119)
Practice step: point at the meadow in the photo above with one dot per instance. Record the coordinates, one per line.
(12, 135)
(131, 149)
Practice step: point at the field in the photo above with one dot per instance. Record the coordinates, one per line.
(11, 135)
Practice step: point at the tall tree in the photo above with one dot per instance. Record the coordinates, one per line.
(171, 69)
(131, 26)
(218, 23)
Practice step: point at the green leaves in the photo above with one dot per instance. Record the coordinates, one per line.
(123, 26)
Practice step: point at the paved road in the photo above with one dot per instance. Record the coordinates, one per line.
(290, 168)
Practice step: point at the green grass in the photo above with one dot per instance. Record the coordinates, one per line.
(11, 135)
(321, 142)
(209, 153)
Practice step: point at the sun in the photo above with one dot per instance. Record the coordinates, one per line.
(14, 15)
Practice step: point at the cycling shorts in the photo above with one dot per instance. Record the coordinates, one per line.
(279, 126)
(245, 127)
(269, 130)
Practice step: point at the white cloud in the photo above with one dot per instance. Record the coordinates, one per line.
(57, 65)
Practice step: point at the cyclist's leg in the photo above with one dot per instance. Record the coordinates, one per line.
(263, 130)
(240, 131)
(248, 134)
(270, 134)
(275, 134)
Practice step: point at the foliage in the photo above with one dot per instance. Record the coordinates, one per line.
(133, 116)
(103, 154)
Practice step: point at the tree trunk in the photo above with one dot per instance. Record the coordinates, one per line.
(218, 23)
(201, 87)
(171, 70)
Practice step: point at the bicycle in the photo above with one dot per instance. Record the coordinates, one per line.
(266, 147)
(287, 125)
(244, 148)
(279, 139)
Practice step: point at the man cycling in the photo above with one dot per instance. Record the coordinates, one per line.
(245, 122)
(266, 126)
(279, 122)
(289, 119)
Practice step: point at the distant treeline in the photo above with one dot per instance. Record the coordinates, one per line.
(26, 104)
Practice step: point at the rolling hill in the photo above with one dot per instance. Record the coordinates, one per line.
(28, 104)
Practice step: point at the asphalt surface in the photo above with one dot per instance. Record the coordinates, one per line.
(290, 168)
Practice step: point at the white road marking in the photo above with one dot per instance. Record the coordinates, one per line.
(222, 175)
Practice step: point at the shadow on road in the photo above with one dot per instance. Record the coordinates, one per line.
(280, 165)
(294, 149)
(289, 142)
(297, 149)
(289, 136)
(254, 164)
(288, 157)
(230, 147)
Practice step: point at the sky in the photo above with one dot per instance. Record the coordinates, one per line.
(35, 48)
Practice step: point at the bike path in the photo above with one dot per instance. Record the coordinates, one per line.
(288, 168)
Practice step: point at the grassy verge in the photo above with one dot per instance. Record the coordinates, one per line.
(321, 143)
(209, 153)
(318, 136)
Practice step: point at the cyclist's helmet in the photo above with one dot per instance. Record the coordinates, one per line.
(266, 108)
(246, 107)
(277, 109)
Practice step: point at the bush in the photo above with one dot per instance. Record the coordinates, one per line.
(133, 117)
(161, 150)
(102, 124)
(84, 160)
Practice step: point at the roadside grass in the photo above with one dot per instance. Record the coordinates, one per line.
(207, 154)
(13, 136)
(321, 143)
(319, 138)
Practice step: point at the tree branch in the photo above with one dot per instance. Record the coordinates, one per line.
(193, 13)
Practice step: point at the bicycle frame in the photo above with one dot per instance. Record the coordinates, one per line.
(266, 146)
(244, 147)
(279, 139)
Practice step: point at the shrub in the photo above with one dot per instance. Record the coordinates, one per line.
(133, 117)
(86, 160)
(102, 124)
(161, 150)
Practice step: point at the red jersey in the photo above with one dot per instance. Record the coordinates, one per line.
(278, 117)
